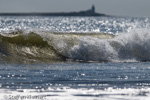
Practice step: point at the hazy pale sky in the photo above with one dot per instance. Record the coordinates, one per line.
(109, 7)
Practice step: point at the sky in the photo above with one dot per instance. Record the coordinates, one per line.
(109, 7)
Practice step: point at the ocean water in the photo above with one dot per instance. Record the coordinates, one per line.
(74, 58)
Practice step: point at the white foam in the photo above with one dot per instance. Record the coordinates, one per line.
(133, 46)
(67, 93)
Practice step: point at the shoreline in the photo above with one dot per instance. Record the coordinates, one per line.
(53, 14)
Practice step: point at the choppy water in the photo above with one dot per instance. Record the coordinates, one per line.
(81, 58)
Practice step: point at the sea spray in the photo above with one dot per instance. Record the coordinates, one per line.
(124, 47)
(93, 49)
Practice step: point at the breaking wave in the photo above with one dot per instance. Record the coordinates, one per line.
(40, 47)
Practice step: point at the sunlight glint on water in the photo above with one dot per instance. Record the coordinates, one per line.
(59, 58)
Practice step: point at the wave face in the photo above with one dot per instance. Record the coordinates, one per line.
(18, 47)
(48, 47)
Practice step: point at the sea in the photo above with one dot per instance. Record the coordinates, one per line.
(74, 58)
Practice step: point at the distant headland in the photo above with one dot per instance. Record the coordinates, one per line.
(89, 12)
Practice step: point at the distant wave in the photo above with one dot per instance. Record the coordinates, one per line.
(49, 47)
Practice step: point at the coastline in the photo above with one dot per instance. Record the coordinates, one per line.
(53, 14)
(89, 12)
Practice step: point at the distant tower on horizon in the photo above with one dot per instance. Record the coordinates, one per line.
(93, 9)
